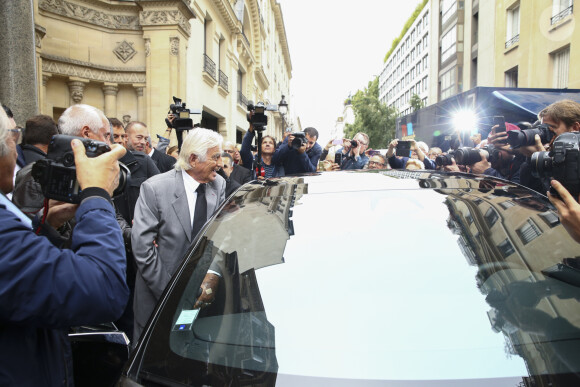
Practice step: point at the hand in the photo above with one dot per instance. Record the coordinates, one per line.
(481, 166)
(499, 140)
(329, 145)
(529, 150)
(207, 289)
(330, 166)
(568, 209)
(346, 145)
(393, 144)
(302, 148)
(290, 139)
(453, 167)
(59, 213)
(101, 171)
(170, 118)
(357, 149)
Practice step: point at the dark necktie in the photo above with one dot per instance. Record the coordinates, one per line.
(200, 214)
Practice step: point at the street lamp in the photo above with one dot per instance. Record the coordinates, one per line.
(283, 106)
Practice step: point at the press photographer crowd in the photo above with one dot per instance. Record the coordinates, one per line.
(96, 215)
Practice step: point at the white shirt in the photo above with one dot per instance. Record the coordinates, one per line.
(190, 187)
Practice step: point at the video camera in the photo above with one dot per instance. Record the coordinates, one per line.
(182, 120)
(259, 118)
(562, 163)
(57, 173)
(519, 138)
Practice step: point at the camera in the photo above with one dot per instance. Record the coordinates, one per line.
(519, 138)
(562, 163)
(57, 173)
(444, 159)
(470, 156)
(298, 141)
(353, 143)
(259, 118)
(182, 120)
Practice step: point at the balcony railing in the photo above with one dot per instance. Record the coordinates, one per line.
(568, 11)
(223, 81)
(209, 66)
(242, 100)
(512, 41)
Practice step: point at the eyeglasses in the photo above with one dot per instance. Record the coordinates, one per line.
(376, 163)
(230, 151)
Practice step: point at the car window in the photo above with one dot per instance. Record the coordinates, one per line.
(368, 284)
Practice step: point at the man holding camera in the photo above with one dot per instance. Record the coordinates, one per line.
(418, 150)
(43, 289)
(170, 211)
(299, 152)
(352, 154)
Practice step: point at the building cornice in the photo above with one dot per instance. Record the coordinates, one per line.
(56, 65)
(228, 15)
(157, 13)
(282, 34)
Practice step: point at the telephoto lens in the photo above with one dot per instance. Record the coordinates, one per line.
(467, 156)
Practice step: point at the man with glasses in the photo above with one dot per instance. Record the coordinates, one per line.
(171, 210)
(240, 174)
(378, 161)
(227, 166)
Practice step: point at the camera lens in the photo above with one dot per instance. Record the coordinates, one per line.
(467, 156)
(541, 164)
(68, 160)
(353, 143)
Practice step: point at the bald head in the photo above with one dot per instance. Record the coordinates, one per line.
(137, 134)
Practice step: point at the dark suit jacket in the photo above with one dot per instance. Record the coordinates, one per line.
(163, 161)
(241, 174)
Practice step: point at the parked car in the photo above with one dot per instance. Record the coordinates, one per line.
(367, 278)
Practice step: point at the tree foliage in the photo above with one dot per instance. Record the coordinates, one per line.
(372, 117)
(416, 102)
(408, 25)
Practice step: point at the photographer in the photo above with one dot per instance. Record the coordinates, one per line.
(267, 148)
(568, 209)
(44, 290)
(419, 150)
(299, 152)
(503, 162)
(353, 152)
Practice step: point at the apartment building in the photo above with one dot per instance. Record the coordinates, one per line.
(129, 58)
(406, 69)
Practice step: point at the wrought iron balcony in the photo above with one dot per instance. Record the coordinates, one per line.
(556, 18)
(242, 100)
(209, 66)
(512, 41)
(223, 81)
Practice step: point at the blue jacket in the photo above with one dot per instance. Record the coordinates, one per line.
(44, 290)
(248, 159)
(295, 162)
(349, 162)
(400, 163)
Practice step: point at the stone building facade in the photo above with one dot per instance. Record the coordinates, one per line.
(129, 58)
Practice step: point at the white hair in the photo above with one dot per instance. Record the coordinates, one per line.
(72, 121)
(4, 126)
(197, 142)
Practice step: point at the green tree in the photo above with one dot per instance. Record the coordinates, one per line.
(372, 117)
(416, 102)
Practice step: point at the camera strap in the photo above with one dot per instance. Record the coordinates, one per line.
(12, 208)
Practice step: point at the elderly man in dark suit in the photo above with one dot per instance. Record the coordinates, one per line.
(137, 137)
(171, 209)
(240, 174)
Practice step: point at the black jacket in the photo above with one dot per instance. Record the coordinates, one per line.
(163, 161)
(240, 174)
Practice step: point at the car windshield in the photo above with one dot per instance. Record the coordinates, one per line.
(432, 280)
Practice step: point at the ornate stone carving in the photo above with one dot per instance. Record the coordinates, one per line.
(174, 44)
(45, 78)
(140, 90)
(75, 68)
(76, 89)
(147, 47)
(89, 15)
(155, 18)
(126, 119)
(39, 33)
(125, 51)
(110, 90)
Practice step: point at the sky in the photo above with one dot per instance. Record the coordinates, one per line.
(336, 48)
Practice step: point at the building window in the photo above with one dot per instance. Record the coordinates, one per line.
(506, 248)
(491, 217)
(550, 218)
(561, 67)
(513, 26)
(528, 232)
(561, 9)
(448, 9)
(448, 46)
(426, 20)
(447, 81)
(511, 77)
